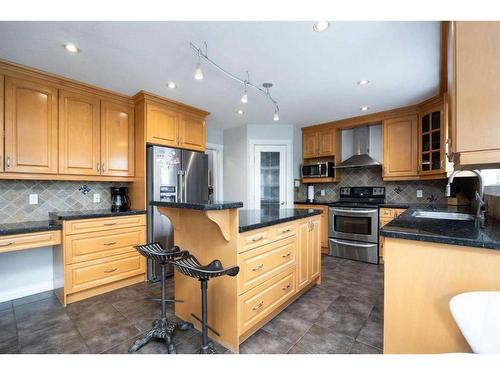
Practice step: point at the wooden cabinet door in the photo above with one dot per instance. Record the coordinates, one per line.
(79, 134)
(327, 140)
(314, 248)
(117, 139)
(477, 79)
(162, 125)
(309, 145)
(400, 147)
(192, 132)
(303, 255)
(431, 142)
(30, 127)
(324, 229)
(1, 122)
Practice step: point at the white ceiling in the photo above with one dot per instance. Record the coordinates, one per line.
(314, 74)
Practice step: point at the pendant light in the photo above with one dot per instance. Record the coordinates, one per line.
(276, 116)
(244, 97)
(198, 74)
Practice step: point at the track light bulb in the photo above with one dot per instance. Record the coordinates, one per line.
(198, 74)
(276, 116)
(244, 98)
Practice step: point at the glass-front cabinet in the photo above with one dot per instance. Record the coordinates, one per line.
(431, 155)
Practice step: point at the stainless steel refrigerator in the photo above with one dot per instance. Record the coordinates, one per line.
(173, 175)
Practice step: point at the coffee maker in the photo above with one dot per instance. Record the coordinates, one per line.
(119, 199)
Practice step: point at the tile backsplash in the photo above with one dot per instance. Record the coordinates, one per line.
(52, 196)
(396, 191)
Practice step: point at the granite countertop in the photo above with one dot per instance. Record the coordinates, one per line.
(29, 227)
(253, 219)
(452, 232)
(314, 203)
(91, 214)
(216, 205)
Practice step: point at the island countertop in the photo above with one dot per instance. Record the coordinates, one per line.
(253, 219)
(215, 205)
(452, 232)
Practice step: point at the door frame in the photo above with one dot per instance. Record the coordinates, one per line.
(218, 168)
(288, 169)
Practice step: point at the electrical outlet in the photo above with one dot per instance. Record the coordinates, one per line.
(97, 198)
(420, 193)
(297, 183)
(33, 199)
(323, 193)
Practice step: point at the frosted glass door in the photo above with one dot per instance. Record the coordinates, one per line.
(270, 191)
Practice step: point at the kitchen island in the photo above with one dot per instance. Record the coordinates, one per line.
(427, 262)
(278, 252)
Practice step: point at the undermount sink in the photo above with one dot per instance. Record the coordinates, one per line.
(422, 214)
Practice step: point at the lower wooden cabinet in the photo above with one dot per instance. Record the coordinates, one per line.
(98, 255)
(29, 240)
(324, 223)
(309, 258)
(386, 215)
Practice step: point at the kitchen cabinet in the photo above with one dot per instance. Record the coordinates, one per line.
(324, 223)
(30, 126)
(386, 215)
(1, 120)
(319, 143)
(400, 147)
(79, 133)
(192, 132)
(473, 98)
(432, 133)
(309, 258)
(162, 126)
(117, 139)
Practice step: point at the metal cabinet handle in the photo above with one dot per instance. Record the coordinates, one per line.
(111, 270)
(286, 287)
(98, 167)
(102, 167)
(7, 244)
(258, 268)
(110, 243)
(255, 239)
(258, 306)
(286, 230)
(286, 255)
(7, 161)
(108, 224)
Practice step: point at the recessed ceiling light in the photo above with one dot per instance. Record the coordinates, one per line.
(172, 85)
(363, 82)
(71, 48)
(365, 108)
(240, 112)
(321, 26)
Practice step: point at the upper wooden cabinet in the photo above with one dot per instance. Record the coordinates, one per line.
(169, 123)
(319, 143)
(473, 82)
(192, 132)
(1, 121)
(431, 141)
(400, 147)
(79, 133)
(30, 126)
(162, 125)
(117, 139)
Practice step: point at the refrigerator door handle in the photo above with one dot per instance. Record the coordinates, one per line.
(181, 191)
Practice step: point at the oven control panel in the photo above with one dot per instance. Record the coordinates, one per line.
(363, 192)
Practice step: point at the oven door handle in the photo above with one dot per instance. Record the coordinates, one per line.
(355, 244)
(353, 211)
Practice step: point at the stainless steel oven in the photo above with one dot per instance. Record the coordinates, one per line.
(358, 224)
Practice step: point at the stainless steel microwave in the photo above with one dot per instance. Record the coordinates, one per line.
(324, 169)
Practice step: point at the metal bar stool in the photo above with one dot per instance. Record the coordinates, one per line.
(190, 266)
(162, 328)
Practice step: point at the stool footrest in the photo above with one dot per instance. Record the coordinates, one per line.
(210, 328)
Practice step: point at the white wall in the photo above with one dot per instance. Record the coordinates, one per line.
(297, 151)
(215, 135)
(235, 164)
(25, 272)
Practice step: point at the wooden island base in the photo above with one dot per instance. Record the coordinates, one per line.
(277, 264)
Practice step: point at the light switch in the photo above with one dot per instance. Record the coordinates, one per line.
(33, 199)
(97, 198)
(323, 193)
(420, 193)
(297, 183)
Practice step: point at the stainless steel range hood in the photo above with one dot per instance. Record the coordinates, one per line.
(356, 143)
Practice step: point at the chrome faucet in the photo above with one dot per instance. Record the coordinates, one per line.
(479, 194)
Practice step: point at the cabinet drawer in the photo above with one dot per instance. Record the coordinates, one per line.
(91, 274)
(387, 212)
(88, 246)
(108, 223)
(264, 262)
(254, 238)
(29, 240)
(256, 304)
(284, 230)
